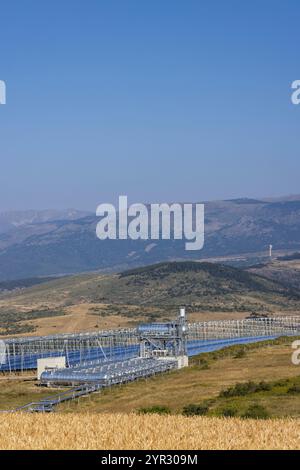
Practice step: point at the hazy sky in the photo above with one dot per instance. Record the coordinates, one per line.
(160, 100)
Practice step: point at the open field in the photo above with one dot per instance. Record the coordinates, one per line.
(18, 391)
(203, 381)
(87, 317)
(113, 419)
(121, 431)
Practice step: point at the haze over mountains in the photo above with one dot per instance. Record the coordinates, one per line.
(43, 243)
(11, 220)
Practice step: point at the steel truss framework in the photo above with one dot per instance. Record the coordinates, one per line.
(228, 329)
(111, 345)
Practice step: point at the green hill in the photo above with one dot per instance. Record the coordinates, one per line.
(200, 286)
(151, 293)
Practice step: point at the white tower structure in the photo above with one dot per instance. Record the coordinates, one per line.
(270, 251)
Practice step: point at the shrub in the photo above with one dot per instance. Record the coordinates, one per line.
(195, 410)
(204, 364)
(229, 412)
(240, 354)
(256, 411)
(245, 388)
(160, 410)
(294, 389)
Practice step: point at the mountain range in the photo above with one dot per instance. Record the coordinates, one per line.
(47, 243)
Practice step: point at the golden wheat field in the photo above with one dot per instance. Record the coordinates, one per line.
(153, 432)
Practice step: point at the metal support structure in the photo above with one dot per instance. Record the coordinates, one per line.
(164, 339)
(175, 338)
(106, 358)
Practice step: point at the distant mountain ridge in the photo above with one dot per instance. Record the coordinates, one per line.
(69, 245)
(14, 219)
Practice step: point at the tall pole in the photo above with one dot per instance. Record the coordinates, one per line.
(182, 326)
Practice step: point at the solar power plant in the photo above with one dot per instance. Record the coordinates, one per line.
(21, 354)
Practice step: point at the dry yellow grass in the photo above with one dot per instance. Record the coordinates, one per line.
(149, 432)
(193, 385)
(78, 318)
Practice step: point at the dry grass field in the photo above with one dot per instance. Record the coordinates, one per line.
(110, 420)
(131, 431)
(81, 318)
(196, 384)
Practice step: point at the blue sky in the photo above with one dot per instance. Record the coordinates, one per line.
(160, 100)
